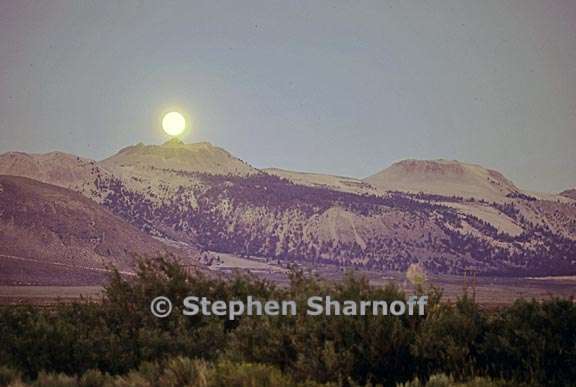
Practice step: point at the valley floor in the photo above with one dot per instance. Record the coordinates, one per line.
(46, 295)
(488, 291)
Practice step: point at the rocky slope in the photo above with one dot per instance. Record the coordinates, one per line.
(264, 215)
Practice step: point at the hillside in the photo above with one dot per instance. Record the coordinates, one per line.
(263, 215)
(56, 168)
(160, 171)
(50, 234)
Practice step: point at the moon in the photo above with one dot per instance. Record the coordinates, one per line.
(173, 123)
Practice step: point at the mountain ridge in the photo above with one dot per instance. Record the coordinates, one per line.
(201, 157)
(201, 195)
(217, 164)
(444, 177)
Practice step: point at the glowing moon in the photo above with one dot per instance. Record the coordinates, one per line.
(173, 123)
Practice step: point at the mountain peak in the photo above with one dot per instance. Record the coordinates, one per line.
(443, 177)
(173, 141)
(176, 142)
(175, 155)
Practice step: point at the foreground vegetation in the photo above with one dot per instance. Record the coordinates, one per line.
(120, 343)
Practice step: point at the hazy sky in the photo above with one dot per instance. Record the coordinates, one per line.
(341, 87)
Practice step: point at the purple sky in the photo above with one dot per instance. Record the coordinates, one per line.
(341, 87)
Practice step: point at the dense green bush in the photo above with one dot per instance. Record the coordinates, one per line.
(118, 342)
(183, 372)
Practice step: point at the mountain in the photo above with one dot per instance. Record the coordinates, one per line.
(57, 168)
(159, 171)
(52, 235)
(447, 216)
(444, 177)
(148, 179)
(174, 155)
(268, 216)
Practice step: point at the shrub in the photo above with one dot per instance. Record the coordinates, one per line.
(442, 380)
(8, 376)
(95, 378)
(185, 372)
(528, 342)
(54, 380)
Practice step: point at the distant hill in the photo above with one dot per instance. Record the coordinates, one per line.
(339, 183)
(57, 168)
(444, 177)
(50, 234)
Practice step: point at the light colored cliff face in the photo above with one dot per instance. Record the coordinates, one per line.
(444, 177)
